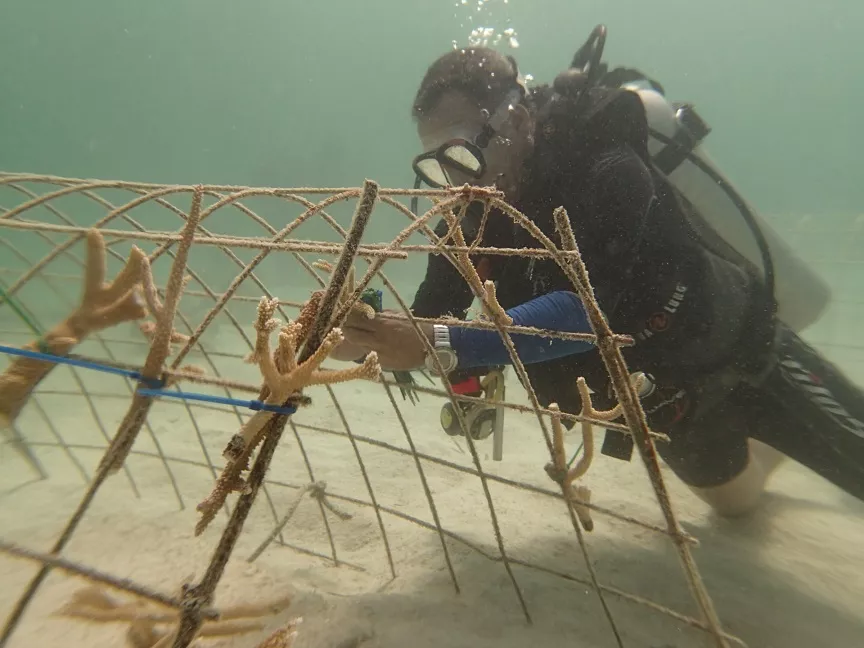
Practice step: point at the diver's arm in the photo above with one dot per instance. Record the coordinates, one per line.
(556, 311)
(620, 194)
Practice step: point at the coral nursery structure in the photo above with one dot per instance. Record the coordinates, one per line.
(159, 287)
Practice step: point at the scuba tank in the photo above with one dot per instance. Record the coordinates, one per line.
(796, 294)
(675, 145)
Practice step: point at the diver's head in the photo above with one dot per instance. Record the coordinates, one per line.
(473, 122)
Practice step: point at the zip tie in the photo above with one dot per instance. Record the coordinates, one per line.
(256, 405)
(84, 364)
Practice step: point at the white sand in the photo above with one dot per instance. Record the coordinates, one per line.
(793, 576)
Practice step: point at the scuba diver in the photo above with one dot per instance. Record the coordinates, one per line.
(713, 299)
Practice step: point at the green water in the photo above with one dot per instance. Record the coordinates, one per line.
(268, 92)
(287, 93)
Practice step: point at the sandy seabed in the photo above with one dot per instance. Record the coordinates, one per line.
(792, 576)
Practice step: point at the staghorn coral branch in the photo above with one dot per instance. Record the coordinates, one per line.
(586, 415)
(307, 371)
(202, 593)
(284, 379)
(151, 293)
(494, 310)
(264, 327)
(484, 290)
(102, 306)
(156, 309)
(94, 576)
(577, 497)
(635, 418)
(94, 605)
(286, 358)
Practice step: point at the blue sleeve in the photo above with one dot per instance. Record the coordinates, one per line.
(557, 311)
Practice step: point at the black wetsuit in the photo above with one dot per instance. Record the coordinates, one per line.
(696, 308)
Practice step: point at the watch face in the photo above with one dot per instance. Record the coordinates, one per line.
(446, 357)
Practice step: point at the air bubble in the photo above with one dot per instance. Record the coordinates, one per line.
(482, 35)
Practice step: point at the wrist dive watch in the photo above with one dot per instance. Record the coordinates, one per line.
(442, 351)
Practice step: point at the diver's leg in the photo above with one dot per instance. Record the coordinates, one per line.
(714, 457)
(769, 458)
(814, 414)
(740, 495)
(806, 409)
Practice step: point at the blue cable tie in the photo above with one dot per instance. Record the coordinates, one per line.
(220, 400)
(153, 383)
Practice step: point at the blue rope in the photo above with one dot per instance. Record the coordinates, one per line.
(221, 400)
(84, 364)
(156, 384)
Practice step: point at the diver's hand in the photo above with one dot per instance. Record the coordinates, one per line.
(397, 344)
(347, 352)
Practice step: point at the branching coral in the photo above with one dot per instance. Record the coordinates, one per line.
(130, 297)
(284, 381)
(579, 495)
(485, 291)
(102, 306)
(149, 624)
(154, 305)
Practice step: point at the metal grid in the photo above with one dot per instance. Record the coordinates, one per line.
(38, 223)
